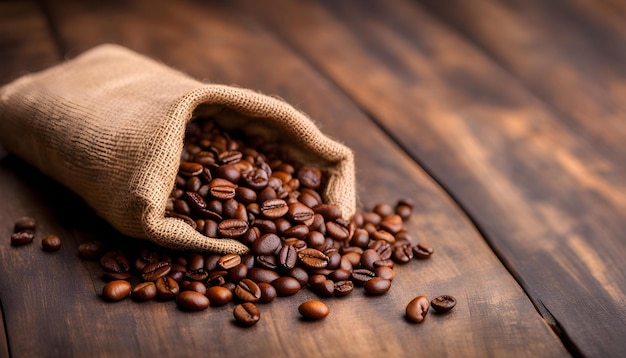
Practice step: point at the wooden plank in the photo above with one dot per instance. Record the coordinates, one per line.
(548, 198)
(26, 46)
(493, 316)
(25, 40)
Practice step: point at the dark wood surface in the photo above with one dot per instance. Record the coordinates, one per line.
(503, 121)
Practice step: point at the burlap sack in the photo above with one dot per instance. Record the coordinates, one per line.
(109, 125)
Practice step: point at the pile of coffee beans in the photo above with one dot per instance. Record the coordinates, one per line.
(240, 187)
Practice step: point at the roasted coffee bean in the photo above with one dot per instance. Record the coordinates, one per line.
(315, 239)
(340, 275)
(91, 250)
(385, 272)
(193, 184)
(195, 286)
(287, 257)
(360, 238)
(143, 291)
(189, 169)
(404, 208)
(194, 200)
(248, 291)
(361, 276)
(313, 258)
(299, 274)
(256, 179)
(417, 309)
(232, 228)
(383, 248)
(330, 212)
(382, 235)
(422, 251)
(237, 273)
(368, 258)
(337, 231)
(267, 244)
(24, 223)
(325, 288)
(218, 295)
(145, 257)
(155, 270)
(167, 288)
(443, 304)
(286, 286)
(274, 208)
(313, 310)
(377, 286)
(265, 226)
(402, 254)
(309, 177)
(269, 262)
(245, 195)
(259, 275)
(116, 290)
(228, 261)
(115, 261)
(22, 238)
(192, 300)
(391, 224)
(246, 314)
(222, 189)
(300, 213)
(343, 288)
(268, 292)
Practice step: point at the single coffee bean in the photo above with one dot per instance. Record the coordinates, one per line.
(337, 231)
(232, 228)
(155, 270)
(228, 261)
(237, 273)
(91, 250)
(115, 261)
(385, 272)
(313, 258)
(368, 258)
(22, 238)
(219, 295)
(443, 304)
(189, 169)
(325, 287)
(391, 224)
(377, 286)
(167, 288)
(143, 291)
(116, 290)
(268, 292)
(287, 257)
(246, 314)
(195, 286)
(194, 200)
(300, 213)
(402, 254)
(248, 291)
(343, 288)
(361, 276)
(192, 300)
(417, 309)
(258, 275)
(24, 223)
(422, 251)
(309, 177)
(313, 310)
(222, 189)
(274, 208)
(267, 244)
(286, 286)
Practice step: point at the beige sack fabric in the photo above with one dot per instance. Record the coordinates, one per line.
(110, 123)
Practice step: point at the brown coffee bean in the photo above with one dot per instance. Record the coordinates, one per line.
(287, 257)
(232, 228)
(192, 300)
(422, 251)
(194, 200)
(115, 261)
(256, 179)
(143, 291)
(189, 169)
(22, 238)
(391, 224)
(337, 231)
(167, 288)
(91, 250)
(286, 286)
(116, 290)
(313, 258)
(300, 213)
(361, 276)
(259, 275)
(222, 189)
(268, 292)
(417, 309)
(246, 314)
(313, 310)
(343, 288)
(267, 244)
(218, 295)
(195, 286)
(385, 272)
(248, 291)
(274, 208)
(377, 286)
(228, 261)
(402, 254)
(309, 177)
(155, 270)
(443, 304)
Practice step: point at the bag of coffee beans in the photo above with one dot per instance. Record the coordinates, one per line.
(110, 126)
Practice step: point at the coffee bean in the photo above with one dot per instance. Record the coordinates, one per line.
(246, 314)
(167, 288)
(300, 213)
(417, 309)
(155, 270)
(222, 189)
(143, 291)
(24, 223)
(313, 258)
(443, 304)
(189, 169)
(192, 300)
(258, 275)
(402, 254)
(248, 291)
(116, 290)
(377, 286)
(343, 288)
(22, 238)
(218, 295)
(313, 310)
(422, 251)
(115, 261)
(51, 243)
(361, 276)
(268, 292)
(286, 286)
(267, 244)
(287, 257)
(91, 250)
(228, 261)
(274, 208)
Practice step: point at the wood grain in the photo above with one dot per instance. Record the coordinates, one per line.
(223, 44)
(546, 191)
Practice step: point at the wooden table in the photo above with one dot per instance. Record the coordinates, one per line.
(505, 122)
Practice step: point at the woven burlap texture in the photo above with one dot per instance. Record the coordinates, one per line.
(109, 125)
